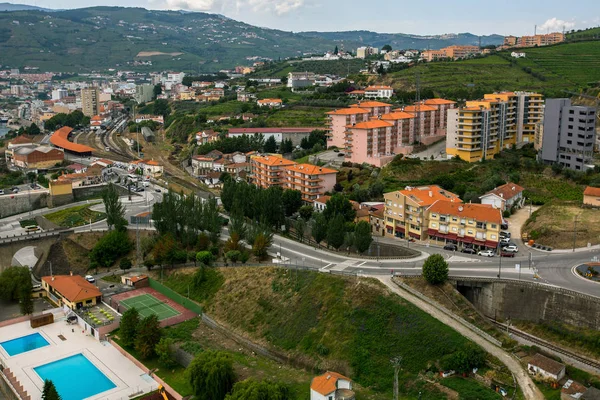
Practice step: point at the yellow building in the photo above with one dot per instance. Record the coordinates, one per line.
(476, 225)
(72, 291)
(483, 128)
(406, 212)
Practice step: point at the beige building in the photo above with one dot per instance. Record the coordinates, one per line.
(72, 291)
(269, 171)
(476, 225)
(90, 101)
(406, 211)
(310, 180)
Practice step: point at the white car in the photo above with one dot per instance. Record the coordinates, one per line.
(90, 279)
(511, 249)
(486, 253)
(505, 240)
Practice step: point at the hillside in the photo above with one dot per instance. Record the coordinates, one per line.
(550, 70)
(16, 7)
(405, 41)
(328, 322)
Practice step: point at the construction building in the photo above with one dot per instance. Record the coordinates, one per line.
(90, 101)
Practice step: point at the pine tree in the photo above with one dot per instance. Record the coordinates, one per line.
(49, 391)
(148, 336)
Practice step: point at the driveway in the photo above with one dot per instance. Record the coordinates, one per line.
(518, 220)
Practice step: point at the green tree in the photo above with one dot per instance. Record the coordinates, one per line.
(300, 227)
(14, 282)
(261, 244)
(115, 212)
(270, 145)
(306, 212)
(125, 264)
(33, 129)
(25, 300)
(161, 107)
(49, 391)
(211, 375)
(110, 247)
(336, 232)
(164, 351)
(292, 201)
(148, 336)
(362, 236)
(156, 91)
(251, 389)
(287, 146)
(387, 47)
(338, 204)
(128, 327)
(204, 257)
(435, 269)
(319, 228)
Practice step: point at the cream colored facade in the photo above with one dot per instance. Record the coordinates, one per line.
(90, 101)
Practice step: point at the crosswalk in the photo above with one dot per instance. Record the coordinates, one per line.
(342, 266)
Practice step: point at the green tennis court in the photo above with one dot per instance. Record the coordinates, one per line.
(146, 304)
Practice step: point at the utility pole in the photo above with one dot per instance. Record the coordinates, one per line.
(574, 232)
(397, 363)
(417, 107)
(499, 261)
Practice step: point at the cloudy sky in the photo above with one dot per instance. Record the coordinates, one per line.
(516, 17)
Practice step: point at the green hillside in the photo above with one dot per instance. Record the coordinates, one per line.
(329, 322)
(550, 70)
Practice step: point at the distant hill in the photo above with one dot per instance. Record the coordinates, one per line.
(403, 40)
(99, 38)
(21, 7)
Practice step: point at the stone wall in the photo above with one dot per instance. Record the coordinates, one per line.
(531, 302)
(11, 204)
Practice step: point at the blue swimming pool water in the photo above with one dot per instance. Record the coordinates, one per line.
(24, 343)
(75, 377)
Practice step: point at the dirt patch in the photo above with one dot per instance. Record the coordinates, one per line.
(554, 225)
(156, 53)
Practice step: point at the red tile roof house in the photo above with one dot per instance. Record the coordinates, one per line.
(505, 197)
(331, 386)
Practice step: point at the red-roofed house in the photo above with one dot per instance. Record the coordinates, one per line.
(591, 197)
(504, 197)
(271, 103)
(72, 291)
(331, 386)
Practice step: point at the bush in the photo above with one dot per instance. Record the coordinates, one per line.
(204, 257)
(211, 375)
(435, 269)
(125, 264)
(233, 255)
(111, 246)
(165, 353)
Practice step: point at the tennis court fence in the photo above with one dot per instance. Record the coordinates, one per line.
(176, 297)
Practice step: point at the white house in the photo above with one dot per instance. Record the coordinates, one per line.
(300, 79)
(546, 367)
(514, 54)
(331, 386)
(382, 92)
(504, 197)
(271, 103)
(320, 203)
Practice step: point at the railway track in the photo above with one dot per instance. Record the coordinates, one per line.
(548, 345)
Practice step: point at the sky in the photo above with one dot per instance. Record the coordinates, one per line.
(516, 17)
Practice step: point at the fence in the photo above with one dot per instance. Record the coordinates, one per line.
(176, 297)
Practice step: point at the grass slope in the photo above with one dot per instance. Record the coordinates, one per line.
(328, 322)
(75, 216)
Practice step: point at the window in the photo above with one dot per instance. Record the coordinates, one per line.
(433, 225)
(470, 232)
(433, 215)
(454, 219)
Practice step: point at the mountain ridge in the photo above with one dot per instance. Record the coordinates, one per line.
(98, 38)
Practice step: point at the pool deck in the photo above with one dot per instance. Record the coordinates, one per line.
(122, 372)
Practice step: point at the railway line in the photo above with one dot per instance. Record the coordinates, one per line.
(101, 141)
(583, 360)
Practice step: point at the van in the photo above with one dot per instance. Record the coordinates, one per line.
(32, 228)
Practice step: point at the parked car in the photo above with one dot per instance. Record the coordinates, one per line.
(504, 226)
(511, 248)
(450, 246)
(15, 189)
(469, 250)
(486, 253)
(505, 240)
(90, 278)
(506, 254)
(140, 189)
(504, 234)
(1, 192)
(340, 155)
(157, 190)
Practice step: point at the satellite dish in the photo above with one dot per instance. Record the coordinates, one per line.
(460, 208)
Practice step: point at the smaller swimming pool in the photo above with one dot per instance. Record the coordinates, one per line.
(24, 344)
(75, 377)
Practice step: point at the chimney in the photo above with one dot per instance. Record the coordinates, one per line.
(502, 195)
(71, 273)
(430, 193)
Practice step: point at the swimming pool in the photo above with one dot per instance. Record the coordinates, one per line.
(75, 377)
(24, 344)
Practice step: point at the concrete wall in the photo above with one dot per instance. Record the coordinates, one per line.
(531, 302)
(11, 204)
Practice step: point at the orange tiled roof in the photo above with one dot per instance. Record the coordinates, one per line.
(60, 139)
(322, 199)
(273, 161)
(311, 169)
(427, 195)
(269, 101)
(96, 118)
(372, 124)
(478, 212)
(591, 191)
(422, 108)
(438, 101)
(151, 162)
(348, 111)
(73, 287)
(370, 104)
(326, 383)
(375, 87)
(507, 191)
(21, 139)
(395, 115)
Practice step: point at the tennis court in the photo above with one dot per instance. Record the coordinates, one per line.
(146, 304)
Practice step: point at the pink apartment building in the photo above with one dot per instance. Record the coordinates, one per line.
(310, 180)
(339, 119)
(442, 106)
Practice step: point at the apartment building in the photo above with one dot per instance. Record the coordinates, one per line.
(406, 211)
(144, 93)
(365, 51)
(269, 171)
(569, 135)
(433, 55)
(425, 128)
(403, 131)
(457, 52)
(483, 128)
(539, 40)
(90, 101)
(310, 180)
(339, 119)
(468, 225)
(300, 79)
(442, 106)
